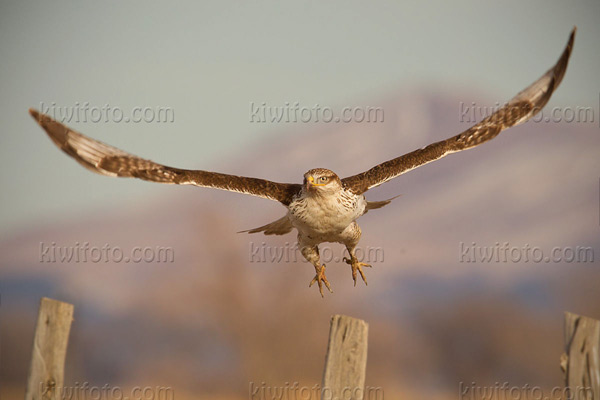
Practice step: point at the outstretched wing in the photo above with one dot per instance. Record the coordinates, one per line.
(518, 110)
(108, 160)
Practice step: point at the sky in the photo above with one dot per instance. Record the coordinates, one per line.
(208, 62)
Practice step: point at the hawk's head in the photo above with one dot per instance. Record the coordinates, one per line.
(321, 181)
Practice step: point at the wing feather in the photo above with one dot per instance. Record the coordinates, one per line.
(519, 109)
(108, 160)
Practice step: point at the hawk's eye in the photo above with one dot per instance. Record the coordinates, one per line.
(323, 179)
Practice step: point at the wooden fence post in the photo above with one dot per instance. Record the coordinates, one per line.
(346, 360)
(581, 361)
(46, 372)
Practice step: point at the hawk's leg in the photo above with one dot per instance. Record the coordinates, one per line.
(311, 253)
(356, 266)
(353, 235)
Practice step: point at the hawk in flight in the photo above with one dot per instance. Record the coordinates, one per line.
(324, 208)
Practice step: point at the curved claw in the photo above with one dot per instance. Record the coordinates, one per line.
(357, 267)
(320, 279)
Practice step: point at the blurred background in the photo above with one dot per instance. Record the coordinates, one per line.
(216, 319)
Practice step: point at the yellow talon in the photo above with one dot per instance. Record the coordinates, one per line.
(320, 278)
(357, 266)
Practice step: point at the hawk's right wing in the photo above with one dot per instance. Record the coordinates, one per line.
(108, 160)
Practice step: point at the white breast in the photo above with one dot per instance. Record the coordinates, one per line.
(326, 216)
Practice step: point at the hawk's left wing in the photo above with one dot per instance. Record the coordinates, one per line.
(518, 110)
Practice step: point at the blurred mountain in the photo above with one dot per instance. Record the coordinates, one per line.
(217, 318)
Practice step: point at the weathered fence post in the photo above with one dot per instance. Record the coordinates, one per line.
(346, 360)
(46, 372)
(581, 361)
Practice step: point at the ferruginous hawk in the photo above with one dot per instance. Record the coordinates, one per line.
(324, 208)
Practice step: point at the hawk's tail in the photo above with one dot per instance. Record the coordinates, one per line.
(372, 205)
(279, 227)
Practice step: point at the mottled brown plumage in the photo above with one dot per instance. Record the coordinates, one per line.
(108, 160)
(519, 109)
(324, 208)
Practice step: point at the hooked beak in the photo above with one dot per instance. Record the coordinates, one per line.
(310, 182)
